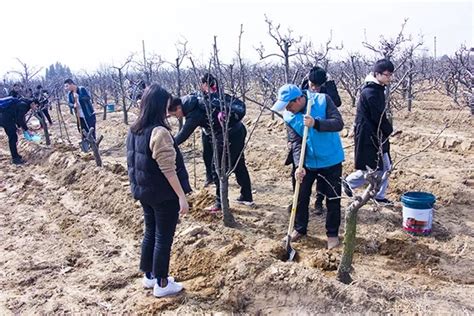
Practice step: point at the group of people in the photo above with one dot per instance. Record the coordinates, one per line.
(159, 179)
(157, 171)
(16, 103)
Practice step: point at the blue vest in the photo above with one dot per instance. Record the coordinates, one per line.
(323, 149)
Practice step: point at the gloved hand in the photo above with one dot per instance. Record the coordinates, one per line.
(31, 137)
(27, 136)
(221, 116)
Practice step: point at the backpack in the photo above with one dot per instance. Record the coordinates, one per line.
(6, 102)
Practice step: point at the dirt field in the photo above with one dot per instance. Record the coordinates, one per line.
(70, 232)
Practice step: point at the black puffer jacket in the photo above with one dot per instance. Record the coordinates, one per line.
(198, 107)
(15, 113)
(148, 183)
(372, 128)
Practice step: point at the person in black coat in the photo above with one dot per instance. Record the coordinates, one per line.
(42, 96)
(159, 180)
(372, 130)
(203, 109)
(13, 117)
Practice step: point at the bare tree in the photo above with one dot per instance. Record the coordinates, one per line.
(121, 84)
(27, 72)
(287, 44)
(458, 77)
(350, 74)
(388, 48)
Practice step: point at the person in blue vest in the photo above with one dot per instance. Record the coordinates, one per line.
(324, 154)
(159, 180)
(80, 99)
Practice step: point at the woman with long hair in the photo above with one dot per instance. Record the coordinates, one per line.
(159, 180)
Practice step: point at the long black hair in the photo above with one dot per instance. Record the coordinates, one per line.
(153, 108)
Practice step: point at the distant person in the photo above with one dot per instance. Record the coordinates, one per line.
(42, 96)
(12, 116)
(17, 90)
(159, 180)
(80, 100)
(3, 90)
(372, 131)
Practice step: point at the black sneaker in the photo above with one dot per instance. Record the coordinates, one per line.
(18, 161)
(318, 209)
(384, 201)
(347, 189)
(243, 201)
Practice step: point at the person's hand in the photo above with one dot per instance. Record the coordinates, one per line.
(183, 206)
(299, 174)
(308, 121)
(221, 117)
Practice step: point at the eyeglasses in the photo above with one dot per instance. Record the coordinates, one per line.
(387, 74)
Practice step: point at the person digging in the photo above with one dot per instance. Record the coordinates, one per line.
(323, 155)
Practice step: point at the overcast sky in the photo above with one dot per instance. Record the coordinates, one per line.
(86, 33)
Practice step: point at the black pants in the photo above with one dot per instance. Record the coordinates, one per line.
(330, 185)
(160, 225)
(237, 143)
(207, 153)
(8, 124)
(319, 194)
(87, 124)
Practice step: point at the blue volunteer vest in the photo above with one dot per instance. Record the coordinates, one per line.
(323, 149)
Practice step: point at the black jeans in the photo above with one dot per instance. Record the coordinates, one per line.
(207, 153)
(9, 126)
(329, 180)
(319, 195)
(160, 225)
(237, 143)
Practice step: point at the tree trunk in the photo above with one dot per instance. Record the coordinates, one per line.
(409, 87)
(229, 219)
(124, 101)
(104, 115)
(287, 63)
(345, 267)
(44, 125)
(178, 70)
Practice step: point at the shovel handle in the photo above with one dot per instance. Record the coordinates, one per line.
(300, 166)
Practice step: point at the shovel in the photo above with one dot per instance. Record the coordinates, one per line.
(291, 253)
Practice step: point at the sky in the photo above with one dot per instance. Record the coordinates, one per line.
(86, 34)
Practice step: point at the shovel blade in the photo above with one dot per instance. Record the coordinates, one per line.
(290, 252)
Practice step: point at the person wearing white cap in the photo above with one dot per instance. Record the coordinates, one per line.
(324, 154)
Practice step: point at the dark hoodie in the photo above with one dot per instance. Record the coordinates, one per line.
(15, 113)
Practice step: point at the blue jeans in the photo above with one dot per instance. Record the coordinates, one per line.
(356, 179)
(160, 225)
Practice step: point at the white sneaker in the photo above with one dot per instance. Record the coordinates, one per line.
(150, 283)
(171, 288)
